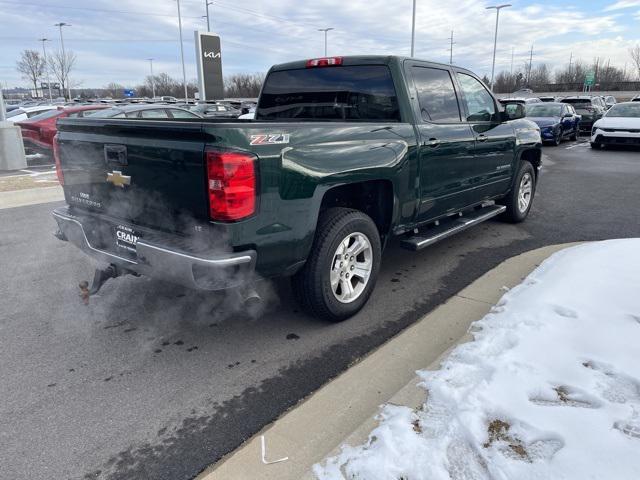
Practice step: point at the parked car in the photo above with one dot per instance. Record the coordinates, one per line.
(38, 131)
(344, 154)
(247, 107)
(619, 126)
(150, 111)
(557, 121)
(523, 101)
(216, 111)
(589, 108)
(24, 113)
(610, 101)
(523, 91)
(636, 98)
(547, 99)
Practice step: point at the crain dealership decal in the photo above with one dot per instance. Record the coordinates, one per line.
(270, 139)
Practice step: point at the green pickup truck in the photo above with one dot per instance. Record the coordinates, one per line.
(343, 154)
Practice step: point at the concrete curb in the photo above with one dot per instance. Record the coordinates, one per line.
(31, 196)
(343, 411)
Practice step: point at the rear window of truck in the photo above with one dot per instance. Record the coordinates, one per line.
(344, 93)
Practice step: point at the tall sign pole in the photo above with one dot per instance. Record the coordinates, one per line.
(184, 71)
(495, 37)
(413, 28)
(64, 66)
(46, 65)
(153, 81)
(209, 62)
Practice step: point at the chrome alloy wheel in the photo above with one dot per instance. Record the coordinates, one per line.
(525, 192)
(351, 267)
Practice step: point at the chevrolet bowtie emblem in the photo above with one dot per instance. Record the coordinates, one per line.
(118, 179)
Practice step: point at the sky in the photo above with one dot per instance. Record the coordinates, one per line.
(112, 40)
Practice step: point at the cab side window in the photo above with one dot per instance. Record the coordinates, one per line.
(436, 95)
(480, 104)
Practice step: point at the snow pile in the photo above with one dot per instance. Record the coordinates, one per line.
(549, 389)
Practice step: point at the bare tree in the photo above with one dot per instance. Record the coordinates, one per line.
(243, 85)
(61, 64)
(31, 66)
(634, 52)
(114, 90)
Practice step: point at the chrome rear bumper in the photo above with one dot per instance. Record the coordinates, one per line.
(210, 272)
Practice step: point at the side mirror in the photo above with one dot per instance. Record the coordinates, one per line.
(567, 115)
(513, 111)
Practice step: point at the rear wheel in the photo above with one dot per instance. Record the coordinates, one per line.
(520, 198)
(343, 265)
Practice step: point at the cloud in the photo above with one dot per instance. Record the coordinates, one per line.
(112, 40)
(622, 4)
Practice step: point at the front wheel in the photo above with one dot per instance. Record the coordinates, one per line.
(519, 200)
(343, 265)
(596, 145)
(557, 139)
(574, 135)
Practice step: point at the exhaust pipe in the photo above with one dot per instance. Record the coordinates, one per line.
(252, 301)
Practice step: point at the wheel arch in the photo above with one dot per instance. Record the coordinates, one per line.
(375, 198)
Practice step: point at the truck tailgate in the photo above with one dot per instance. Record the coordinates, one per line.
(148, 173)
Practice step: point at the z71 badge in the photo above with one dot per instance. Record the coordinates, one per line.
(270, 139)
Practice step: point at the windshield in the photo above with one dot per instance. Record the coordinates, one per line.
(625, 110)
(15, 113)
(577, 101)
(539, 110)
(45, 115)
(105, 113)
(349, 93)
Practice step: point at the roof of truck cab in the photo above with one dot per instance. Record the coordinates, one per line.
(361, 60)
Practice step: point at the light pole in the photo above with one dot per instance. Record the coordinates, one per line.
(325, 30)
(46, 66)
(413, 27)
(495, 38)
(184, 72)
(452, 43)
(207, 3)
(64, 58)
(153, 82)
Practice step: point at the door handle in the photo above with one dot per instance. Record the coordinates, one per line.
(432, 142)
(482, 138)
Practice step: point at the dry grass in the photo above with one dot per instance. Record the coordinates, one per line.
(498, 431)
(13, 183)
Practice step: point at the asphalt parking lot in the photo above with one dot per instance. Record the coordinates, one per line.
(154, 381)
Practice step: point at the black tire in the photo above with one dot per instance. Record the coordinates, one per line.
(513, 214)
(312, 286)
(596, 145)
(574, 135)
(557, 140)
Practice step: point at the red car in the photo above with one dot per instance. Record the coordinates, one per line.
(38, 131)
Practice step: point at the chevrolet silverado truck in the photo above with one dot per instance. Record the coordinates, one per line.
(344, 153)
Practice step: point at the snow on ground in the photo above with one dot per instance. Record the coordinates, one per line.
(549, 389)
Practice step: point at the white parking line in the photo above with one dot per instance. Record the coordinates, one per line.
(577, 145)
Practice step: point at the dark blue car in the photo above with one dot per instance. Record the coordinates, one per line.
(557, 121)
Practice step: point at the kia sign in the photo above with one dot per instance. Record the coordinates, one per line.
(209, 56)
(129, 93)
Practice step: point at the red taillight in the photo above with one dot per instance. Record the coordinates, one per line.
(56, 158)
(231, 183)
(324, 62)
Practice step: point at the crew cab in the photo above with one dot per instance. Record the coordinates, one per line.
(344, 153)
